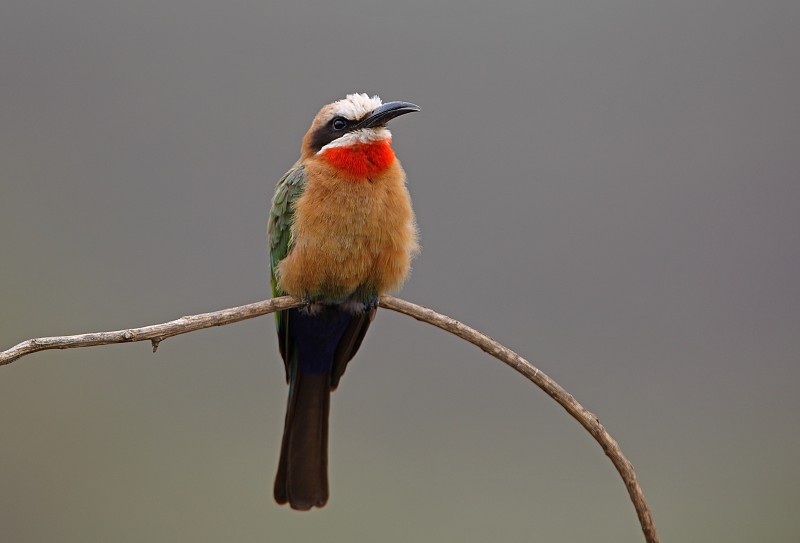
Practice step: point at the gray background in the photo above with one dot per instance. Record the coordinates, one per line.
(612, 188)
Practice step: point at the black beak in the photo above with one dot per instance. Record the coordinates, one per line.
(383, 114)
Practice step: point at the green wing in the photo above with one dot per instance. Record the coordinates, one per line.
(281, 216)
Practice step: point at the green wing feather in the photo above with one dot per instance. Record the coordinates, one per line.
(281, 216)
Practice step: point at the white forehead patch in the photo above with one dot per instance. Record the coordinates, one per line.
(356, 106)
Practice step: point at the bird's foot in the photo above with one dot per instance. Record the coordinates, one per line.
(357, 307)
(312, 308)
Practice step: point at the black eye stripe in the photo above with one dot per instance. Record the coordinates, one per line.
(328, 132)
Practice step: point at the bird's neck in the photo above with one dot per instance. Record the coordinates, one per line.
(360, 160)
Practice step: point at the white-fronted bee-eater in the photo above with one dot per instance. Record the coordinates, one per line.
(341, 233)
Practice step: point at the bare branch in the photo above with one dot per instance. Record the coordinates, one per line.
(155, 333)
(553, 389)
(158, 332)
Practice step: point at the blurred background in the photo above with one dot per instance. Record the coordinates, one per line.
(611, 188)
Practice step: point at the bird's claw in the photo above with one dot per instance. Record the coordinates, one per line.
(311, 307)
(355, 307)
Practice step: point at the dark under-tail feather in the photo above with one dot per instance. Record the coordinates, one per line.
(302, 479)
(316, 347)
(350, 342)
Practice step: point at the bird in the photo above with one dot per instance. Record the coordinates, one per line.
(342, 232)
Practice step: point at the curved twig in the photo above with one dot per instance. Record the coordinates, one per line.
(158, 332)
(587, 419)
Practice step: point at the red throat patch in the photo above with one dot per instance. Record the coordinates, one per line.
(362, 159)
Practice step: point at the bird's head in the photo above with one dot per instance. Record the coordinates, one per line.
(353, 123)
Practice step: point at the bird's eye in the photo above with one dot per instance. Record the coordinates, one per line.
(339, 123)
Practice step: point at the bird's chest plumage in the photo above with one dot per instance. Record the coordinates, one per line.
(353, 235)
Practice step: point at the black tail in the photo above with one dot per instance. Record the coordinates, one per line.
(302, 478)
